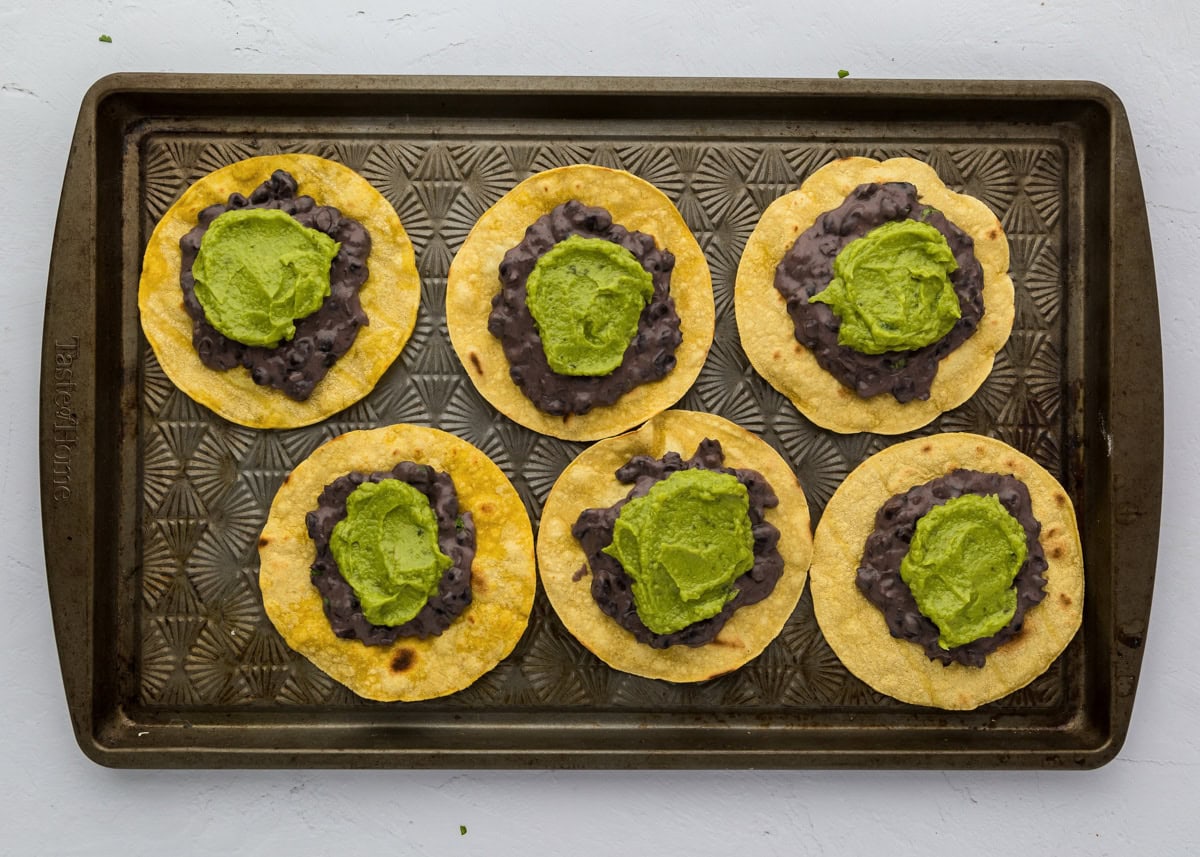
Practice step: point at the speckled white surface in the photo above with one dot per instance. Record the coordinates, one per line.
(54, 801)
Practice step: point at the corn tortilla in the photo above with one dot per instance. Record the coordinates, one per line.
(855, 628)
(589, 482)
(768, 335)
(502, 574)
(474, 280)
(389, 296)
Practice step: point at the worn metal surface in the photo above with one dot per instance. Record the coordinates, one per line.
(152, 505)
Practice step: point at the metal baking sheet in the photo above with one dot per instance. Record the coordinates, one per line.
(152, 505)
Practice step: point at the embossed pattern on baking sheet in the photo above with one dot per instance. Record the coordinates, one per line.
(204, 639)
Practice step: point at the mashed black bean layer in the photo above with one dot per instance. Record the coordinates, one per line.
(612, 585)
(651, 354)
(456, 538)
(297, 365)
(808, 268)
(879, 575)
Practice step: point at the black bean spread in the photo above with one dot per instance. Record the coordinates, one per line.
(807, 268)
(879, 575)
(456, 538)
(611, 584)
(651, 353)
(294, 366)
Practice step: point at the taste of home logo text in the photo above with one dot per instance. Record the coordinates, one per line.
(65, 427)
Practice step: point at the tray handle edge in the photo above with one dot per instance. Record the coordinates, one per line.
(1135, 416)
(67, 424)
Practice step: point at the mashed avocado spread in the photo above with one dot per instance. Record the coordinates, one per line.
(258, 271)
(387, 550)
(961, 565)
(586, 295)
(683, 545)
(891, 289)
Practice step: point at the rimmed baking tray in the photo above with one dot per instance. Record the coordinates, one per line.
(152, 505)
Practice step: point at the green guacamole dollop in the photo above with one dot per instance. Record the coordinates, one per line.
(961, 565)
(684, 544)
(891, 289)
(585, 296)
(258, 271)
(386, 547)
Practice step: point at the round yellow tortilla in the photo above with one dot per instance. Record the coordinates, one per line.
(855, 628)
(590, 482)
(503, 578)
(768, 335)
(389, 296)
(474, 280)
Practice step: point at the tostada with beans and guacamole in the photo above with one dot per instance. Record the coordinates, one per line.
(677, 551)
(947, 571)
(874, 297)
(278, 289)
(580, 304)
(399, 561)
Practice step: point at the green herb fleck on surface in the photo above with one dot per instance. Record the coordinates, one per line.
(459, 523)
(462, 830)
(843, 73)
(105, 37)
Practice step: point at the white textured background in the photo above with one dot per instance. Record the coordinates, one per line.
(54, 801)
